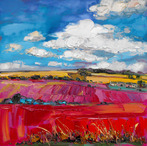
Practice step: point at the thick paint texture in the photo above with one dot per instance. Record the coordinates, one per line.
(70, 91)
(17, 122)
(123, 112)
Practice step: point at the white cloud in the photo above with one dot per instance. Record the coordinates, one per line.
(15, 65)
(114, 65)
(111, 28)
(54, 63)
(119, 66)
(34, 37)
(127, 30)
(89, 36)
(75, 35)
(81, 55)
(67, 65)
(20, 66)
(37, 63)
(139, 66)
(13, 47)
(117, 7)
(39, 52)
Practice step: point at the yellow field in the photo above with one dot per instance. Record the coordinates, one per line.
(144, 77)
(107, 78)
(41, 73)
(109, 75)
(96, 77)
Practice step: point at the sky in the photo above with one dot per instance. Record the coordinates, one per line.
(71, 34)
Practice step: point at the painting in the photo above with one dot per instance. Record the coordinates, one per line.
(73, 72)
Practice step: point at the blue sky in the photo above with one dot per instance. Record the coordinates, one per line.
(68, 34)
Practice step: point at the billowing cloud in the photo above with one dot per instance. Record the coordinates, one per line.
(13, 47)
(139, 66)
(119, 66)
(15, 65)
(89, 36)
(54, 63)
(39, 52)
(34, 37)
(81, 55)
(107, 8)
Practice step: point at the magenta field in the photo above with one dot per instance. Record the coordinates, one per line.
(70, 91)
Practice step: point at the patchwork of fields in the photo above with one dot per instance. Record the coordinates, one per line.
(97, 113)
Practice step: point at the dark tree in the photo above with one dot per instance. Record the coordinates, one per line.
(78, 79)
(141, 83)
(35, 77)
(16, 98)
(48, 77)
(23, 78)
(137, 76)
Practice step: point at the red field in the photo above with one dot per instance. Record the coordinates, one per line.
(19, 121)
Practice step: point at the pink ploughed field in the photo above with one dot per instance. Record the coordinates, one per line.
(70, 91)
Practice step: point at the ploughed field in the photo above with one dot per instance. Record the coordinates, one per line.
(70, 91)
(102, 115)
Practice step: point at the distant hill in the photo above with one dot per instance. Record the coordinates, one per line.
(108, 71)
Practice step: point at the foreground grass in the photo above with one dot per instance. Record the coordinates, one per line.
(75, 144)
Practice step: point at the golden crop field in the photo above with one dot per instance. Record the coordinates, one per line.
(41, 73)
(96, 77)
(107, 78)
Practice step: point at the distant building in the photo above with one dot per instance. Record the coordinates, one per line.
(121, 84)
(131, 85)
(134, 85)
(113, 83)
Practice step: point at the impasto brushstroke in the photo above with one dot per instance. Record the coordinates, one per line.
(73, 72)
